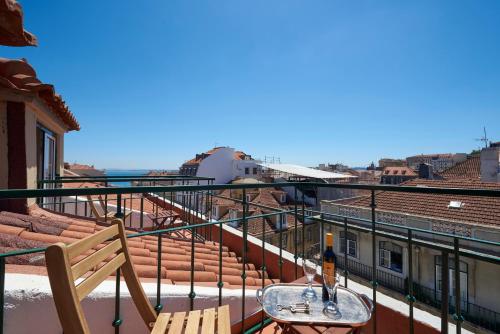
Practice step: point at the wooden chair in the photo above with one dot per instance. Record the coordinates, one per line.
(103, 216)
(68, 295)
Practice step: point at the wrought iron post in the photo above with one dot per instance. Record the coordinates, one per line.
(445, 283)
(374, 262)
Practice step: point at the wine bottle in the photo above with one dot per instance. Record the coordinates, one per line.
(329, 264)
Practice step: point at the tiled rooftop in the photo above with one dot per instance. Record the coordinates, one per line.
(18, 76)
(42, 228)
(262, 196)
(468, 169)
(399, 171)
(474, 210)
(11, 25)
(238, 155)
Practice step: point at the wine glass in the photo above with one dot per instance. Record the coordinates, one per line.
(310, 266)
(331, 281)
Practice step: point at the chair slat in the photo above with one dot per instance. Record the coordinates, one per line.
(161, 324)
(223, 320)
(91, 241)
(208, 326)
(193, 321)
(94, 259)
(93, 207)
(177, 323)
(89, 284)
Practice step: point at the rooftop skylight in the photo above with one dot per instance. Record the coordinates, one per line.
(455, 205)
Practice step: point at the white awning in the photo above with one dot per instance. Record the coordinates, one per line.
(305, 171)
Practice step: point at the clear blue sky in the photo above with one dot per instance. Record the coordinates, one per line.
(154, 82)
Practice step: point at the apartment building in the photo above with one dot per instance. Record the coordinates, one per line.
(222, 163)
(467, 216)
(227, 205)
(388, 162)
(397, 175)
(33, 122)
(439, 162)
(490, 163)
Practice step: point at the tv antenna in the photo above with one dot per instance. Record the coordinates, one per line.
(484, 139)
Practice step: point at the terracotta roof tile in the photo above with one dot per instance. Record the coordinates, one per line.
(18, 75)
(175, 256)
(262, 196)
(475, 209)
(407, 171)
(238, 155)
(12, 32)
(468, 169)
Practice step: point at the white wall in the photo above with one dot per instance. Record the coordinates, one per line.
(490, 164)
(218, 165)
(240, 165)
(30, 296)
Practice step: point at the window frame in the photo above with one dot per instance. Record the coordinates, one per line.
(352, 242)
(389, 249)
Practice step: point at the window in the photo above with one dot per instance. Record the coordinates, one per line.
(282, 221)
(233, 214)
(247, 170)
(283, 198)
(46, 155)
(309, 235)
(352, 243)
(255, 170)
(391, 256)
(451, 275)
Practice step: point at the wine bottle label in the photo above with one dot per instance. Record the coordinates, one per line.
(329, 268)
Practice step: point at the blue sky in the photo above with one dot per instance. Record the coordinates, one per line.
(154, 82)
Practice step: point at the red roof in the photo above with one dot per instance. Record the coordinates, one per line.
(475, 209)
(468, 169)
(262, 196)
(19, 76)
(238, 155)
(12, 32)
(399, 171)
(42, 228)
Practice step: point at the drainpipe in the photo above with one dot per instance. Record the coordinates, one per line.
(417, 251)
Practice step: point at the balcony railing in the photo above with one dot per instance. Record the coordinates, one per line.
(475, 314)
(196, 199)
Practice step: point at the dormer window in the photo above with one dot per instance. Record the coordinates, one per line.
(215, 212)
(283, 198)
(283, 224)
(233, 214)
(249, 198)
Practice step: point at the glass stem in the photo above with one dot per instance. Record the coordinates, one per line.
(310, 284)
(331, 294)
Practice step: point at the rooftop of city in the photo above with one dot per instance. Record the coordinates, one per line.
(216, 167)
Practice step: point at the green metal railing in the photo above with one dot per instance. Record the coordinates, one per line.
(190, 202)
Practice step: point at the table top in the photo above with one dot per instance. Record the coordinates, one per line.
(163, 214)
(355, 310)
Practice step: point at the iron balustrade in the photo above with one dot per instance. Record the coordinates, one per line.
(197, 223)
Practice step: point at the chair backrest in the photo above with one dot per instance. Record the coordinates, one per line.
(102, 202)
(98, 215)
(62, 275)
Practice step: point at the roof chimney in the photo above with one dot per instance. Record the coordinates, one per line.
(425, 171)
(490, 163)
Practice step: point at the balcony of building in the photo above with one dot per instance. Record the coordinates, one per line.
(194, 261)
